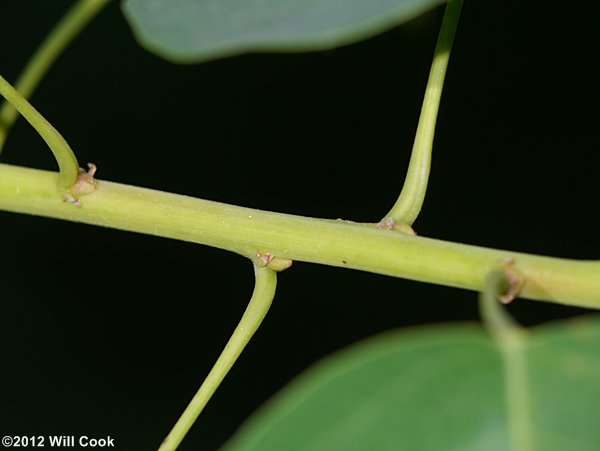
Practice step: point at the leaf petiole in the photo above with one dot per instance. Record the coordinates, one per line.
(511, 341)
(61, 35)
(409, 203)
(264, 292)
(67, 162)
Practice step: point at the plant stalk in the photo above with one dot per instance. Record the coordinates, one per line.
(65, 158)
(338, 243)
(262, 297)
(409, 203)
(511, 340)
(61, 35)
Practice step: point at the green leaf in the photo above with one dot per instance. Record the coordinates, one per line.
(438, 389)
(192, 31)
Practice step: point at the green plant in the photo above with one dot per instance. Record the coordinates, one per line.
(273, 240)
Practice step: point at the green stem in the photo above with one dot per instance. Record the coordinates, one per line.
(67, 163)
(61, 35)
(511, 341)
(409, 203)
(264, 291)
(329, 242)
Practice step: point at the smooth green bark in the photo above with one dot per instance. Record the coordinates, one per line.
(330, 242)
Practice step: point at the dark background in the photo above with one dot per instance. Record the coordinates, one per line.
(110, 333)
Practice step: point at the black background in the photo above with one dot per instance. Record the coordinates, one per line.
(104, 332)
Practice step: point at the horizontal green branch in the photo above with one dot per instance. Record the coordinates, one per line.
(337, 243)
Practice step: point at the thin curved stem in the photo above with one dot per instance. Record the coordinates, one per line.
(409, 203)
(264, 292)
(67, 163)
(71, 24)
(511, 341)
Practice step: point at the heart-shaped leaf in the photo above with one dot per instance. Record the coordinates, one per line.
(436, 389)
(198, 30)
